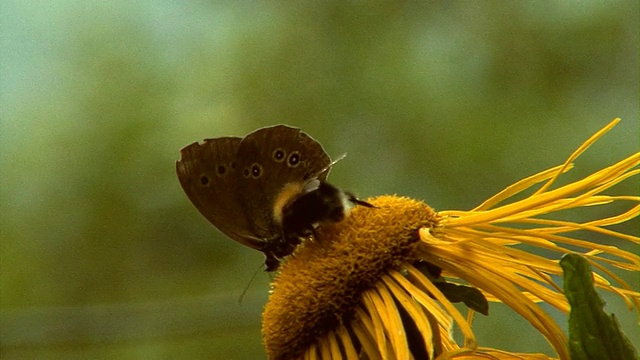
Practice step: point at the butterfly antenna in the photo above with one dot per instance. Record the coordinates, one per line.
(328, 167)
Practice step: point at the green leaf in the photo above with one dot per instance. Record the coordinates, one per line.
(470, 296)
(593, 334)
(473, 298)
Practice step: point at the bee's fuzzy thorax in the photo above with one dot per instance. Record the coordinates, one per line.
(288, 194)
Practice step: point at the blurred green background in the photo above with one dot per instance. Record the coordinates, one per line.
(103, 256)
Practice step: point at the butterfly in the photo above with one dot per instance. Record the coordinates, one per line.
(267, 191)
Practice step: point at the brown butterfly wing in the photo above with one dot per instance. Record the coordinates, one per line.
(209, 177)
(267, 160)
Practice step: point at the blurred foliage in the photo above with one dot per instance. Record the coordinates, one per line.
(443, 101)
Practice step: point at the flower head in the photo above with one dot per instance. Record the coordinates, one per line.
(382, 282)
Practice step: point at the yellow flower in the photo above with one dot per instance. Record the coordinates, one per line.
(376, 283)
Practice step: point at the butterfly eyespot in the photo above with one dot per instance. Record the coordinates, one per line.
(294, 159)
(246, 172)
(278, 155)
(222, 170)
(256, 171)
(204, 180)
(233, 165)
